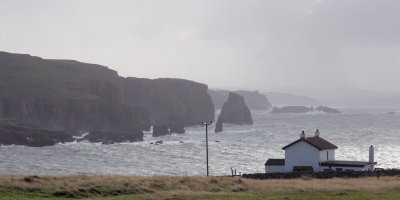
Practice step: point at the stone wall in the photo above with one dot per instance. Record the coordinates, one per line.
(324, 175)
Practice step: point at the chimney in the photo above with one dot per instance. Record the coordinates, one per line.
(371, 154)
(303, 135)
(316, 134)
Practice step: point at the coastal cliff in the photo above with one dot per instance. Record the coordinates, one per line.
(75, 97)
(175, 103)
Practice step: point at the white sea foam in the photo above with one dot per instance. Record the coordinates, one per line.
(245, 148)
(81, 136)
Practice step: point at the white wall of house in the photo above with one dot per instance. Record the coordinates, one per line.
(274, 168)
(323, 156)
(301, 154)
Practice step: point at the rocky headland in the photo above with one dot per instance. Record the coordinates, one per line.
(72, 97)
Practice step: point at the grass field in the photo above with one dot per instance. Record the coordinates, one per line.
(164, 187)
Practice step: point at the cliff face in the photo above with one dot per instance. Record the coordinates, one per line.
(75, 116)
(172, 102)
(235, 111)
(65, 96)
(71, 96)
(254, 99)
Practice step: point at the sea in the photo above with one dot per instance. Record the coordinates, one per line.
(244, 148)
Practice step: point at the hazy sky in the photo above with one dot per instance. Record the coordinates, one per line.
(249, 44)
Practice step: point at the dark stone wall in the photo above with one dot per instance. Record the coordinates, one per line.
(325, 174)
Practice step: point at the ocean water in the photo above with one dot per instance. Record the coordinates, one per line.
(244, 148)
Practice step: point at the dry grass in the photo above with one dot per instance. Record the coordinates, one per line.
(368, 184)
(84, 186)
(158, 187)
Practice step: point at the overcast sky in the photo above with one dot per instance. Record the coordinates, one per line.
(249, 44)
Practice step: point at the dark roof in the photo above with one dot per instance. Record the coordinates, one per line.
(345, 163)
(275, 162)
(317, 142)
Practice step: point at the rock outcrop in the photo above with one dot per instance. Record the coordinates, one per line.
(292, 109)
(235, 111)
(326, 109)
(31, 136)
(75, 97)
(304, 109)
(254, 100)
(160, 130)
(114, 137)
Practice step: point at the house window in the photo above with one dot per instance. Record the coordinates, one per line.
(327, 155)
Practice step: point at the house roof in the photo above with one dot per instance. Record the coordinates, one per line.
(317, 142)
(345, 163)
(273, 161)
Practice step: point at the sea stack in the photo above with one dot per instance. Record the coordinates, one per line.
(160, 130)
(176, 125)
(219, 126)
(235, 111)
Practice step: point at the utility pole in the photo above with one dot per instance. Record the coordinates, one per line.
(206, 124)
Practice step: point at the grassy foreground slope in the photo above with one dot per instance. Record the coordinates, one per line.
(163, 187)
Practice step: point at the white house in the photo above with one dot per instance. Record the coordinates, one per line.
(315, 154)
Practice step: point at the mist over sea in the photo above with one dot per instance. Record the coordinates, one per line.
(245, 148)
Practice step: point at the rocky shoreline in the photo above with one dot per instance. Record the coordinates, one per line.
(16, 134)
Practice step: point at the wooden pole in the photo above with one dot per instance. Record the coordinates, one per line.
(207, 124)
